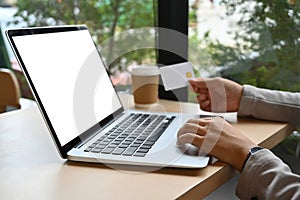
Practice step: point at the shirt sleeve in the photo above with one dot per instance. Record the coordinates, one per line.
(270, 105)
(265, 176)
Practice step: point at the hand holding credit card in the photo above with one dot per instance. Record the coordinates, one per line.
(176, 76)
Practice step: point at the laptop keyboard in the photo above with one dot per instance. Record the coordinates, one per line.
(133, 136)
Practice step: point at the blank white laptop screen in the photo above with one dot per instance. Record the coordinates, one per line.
(55, 62)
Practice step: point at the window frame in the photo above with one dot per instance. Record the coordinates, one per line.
(172, 15)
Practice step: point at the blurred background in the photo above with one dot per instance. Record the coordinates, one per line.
(251, 42)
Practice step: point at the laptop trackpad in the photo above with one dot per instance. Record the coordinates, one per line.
(189, 149)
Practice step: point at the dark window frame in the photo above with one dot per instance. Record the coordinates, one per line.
(173, 15)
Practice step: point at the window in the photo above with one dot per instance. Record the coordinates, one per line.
(116, 27)
(172, 45)
(251, 42)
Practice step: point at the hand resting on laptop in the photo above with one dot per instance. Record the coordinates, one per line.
(218, 138)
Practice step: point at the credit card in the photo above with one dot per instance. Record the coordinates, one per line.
(177, 75)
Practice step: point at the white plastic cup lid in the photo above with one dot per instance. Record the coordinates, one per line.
(145, 70)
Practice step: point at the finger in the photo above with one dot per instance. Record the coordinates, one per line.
(190, 138)
(202, 97)
(205, 105)
(207, 119)
(203, 91)
(200, 121)
(205, 108)
(199, 82)
(197, 87)
(191, 128)
(194, 88)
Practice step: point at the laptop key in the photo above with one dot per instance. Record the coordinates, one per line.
(142, 138)
(138, 142)
(100, 146)
(112, 137)
(123, 146)
(104, 143)
(93, 145)
(140, 154)
(135, 145)
(150, 143)
(146, 146)
(112, 146)
(130, 151)
(126, 143)
(116, 142)
(88, 149)
(157, 133)
(142, 150)
(118, 151)
(96, 150)
(107, 150)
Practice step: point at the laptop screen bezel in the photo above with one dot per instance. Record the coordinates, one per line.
(63, 149)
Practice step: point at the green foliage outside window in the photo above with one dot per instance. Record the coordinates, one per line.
(266, 53)
(266, 48)
(267, 45)
(105, 18)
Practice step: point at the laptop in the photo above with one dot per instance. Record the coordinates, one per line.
(82, 110)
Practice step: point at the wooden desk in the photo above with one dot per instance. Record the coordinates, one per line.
(30, 167)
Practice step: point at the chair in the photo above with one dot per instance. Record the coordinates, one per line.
(9, 91)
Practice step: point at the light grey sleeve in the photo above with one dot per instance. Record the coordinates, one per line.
(265, 176)
(270, 104)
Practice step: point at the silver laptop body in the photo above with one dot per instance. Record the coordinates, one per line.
(82, 110)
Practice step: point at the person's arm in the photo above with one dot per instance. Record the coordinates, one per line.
(222, 95)
(265, 176)
(270, 104)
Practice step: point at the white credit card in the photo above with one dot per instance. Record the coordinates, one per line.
(176, 76)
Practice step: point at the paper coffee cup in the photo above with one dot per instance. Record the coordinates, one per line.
(145, 80)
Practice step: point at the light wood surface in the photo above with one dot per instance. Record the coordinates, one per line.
(30, 167)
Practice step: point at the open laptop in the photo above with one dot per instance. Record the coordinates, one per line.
(82, 110)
